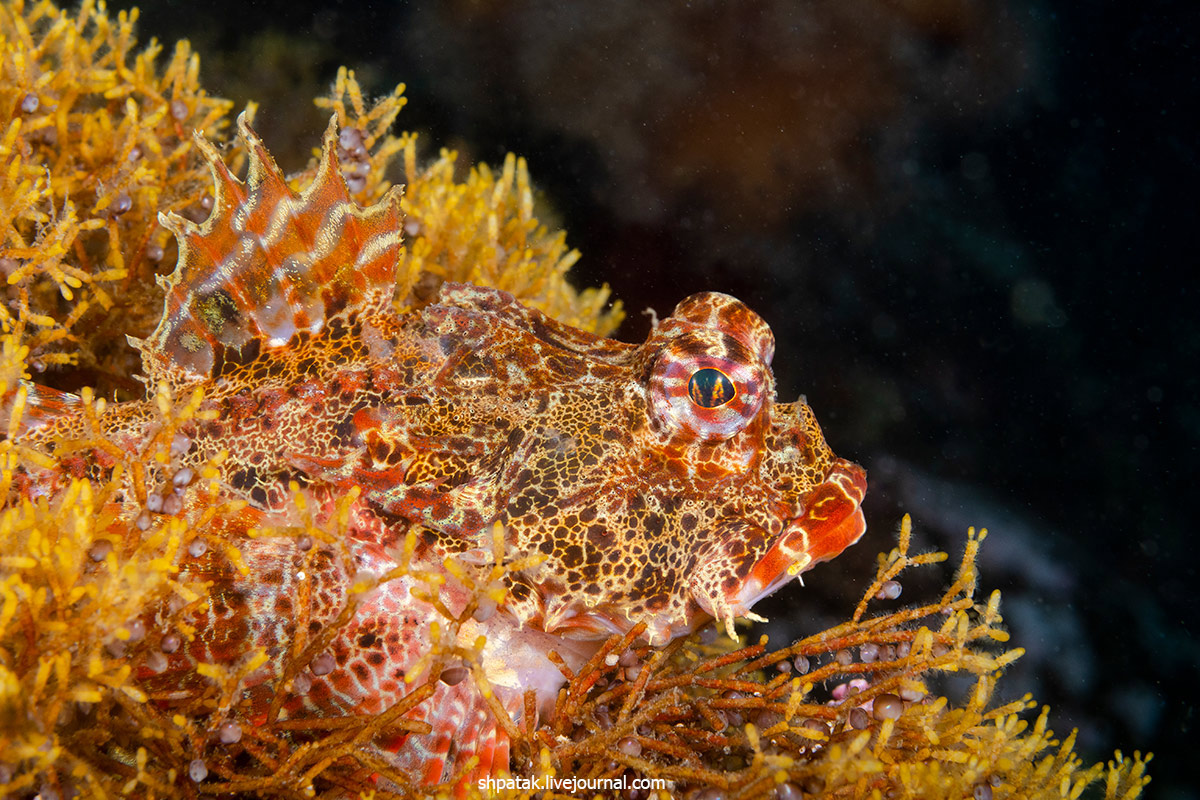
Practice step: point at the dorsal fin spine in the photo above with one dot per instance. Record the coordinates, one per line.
(227, 190)
(269, 261)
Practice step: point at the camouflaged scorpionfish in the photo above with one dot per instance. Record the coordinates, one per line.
(662, 482)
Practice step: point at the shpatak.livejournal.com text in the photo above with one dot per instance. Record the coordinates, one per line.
(570, 785)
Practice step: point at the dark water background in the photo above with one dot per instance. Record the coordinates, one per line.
(972, 227)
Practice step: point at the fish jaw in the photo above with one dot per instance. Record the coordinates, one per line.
(830, 521)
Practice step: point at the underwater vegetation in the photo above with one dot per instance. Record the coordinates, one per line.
(94, 602)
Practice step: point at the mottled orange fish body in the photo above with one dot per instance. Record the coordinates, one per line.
(658, 483)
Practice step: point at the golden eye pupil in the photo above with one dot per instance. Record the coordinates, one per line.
(710, 388)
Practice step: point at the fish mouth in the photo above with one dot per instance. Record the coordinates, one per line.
(831, 520)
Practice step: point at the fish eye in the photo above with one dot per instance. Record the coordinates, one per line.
(707, 386)
(710, 388)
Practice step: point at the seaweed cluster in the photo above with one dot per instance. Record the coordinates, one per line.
(96, 141)
(93, 603)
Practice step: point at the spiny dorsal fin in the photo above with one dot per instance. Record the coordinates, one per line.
(269, 262)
